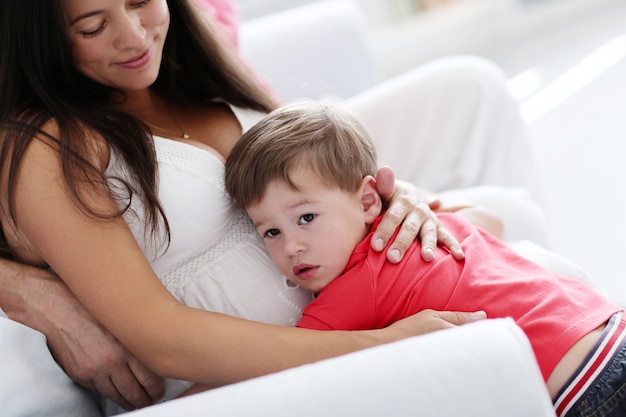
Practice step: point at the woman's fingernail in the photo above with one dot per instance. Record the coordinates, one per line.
(394, 255)
(379, 244)
(479, 315)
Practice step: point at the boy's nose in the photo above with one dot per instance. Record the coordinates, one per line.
(293, 246)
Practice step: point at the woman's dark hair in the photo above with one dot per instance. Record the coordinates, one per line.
(39, 83)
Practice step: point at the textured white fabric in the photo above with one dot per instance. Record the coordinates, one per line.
(485, 369)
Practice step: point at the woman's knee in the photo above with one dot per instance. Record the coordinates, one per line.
(465, 69)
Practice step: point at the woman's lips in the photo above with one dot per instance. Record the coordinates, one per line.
(137, 62)
(305, 271)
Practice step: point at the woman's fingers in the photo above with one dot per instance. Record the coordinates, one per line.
(410, 212)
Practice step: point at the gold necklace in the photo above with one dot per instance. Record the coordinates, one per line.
(182, 134)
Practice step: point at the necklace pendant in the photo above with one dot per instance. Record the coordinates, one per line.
(185, 135)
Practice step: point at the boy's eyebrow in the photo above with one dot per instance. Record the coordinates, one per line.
(300, 202)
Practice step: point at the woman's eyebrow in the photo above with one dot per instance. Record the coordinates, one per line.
(85, 15)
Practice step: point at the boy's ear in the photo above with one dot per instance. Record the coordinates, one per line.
(370, 199)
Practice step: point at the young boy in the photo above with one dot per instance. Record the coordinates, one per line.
(305, 176)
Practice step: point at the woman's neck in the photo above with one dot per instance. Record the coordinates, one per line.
(142, 103)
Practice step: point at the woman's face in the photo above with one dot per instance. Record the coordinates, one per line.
(118, 43)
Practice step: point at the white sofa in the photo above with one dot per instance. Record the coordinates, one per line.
(485, 369)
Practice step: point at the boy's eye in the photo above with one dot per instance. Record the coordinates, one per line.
(306, 218)
(272, 233)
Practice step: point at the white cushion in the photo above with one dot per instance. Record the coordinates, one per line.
(312, 51)
(485, 369)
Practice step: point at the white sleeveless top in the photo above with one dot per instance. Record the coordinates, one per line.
(215, 261)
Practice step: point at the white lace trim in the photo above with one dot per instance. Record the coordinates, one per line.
(185, 157)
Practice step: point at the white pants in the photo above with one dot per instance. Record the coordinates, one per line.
(452, 125)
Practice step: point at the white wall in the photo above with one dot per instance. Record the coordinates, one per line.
(467, 26)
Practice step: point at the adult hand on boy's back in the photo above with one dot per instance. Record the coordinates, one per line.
(410, 209)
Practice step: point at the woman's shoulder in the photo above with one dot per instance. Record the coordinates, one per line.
(93, 146)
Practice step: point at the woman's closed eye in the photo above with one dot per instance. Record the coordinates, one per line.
(93, 33)
(101, 27)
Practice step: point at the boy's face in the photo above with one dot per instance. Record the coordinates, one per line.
(310, 233)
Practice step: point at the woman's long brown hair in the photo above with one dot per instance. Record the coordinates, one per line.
(39, 83)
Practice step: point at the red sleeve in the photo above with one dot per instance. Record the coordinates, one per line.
(347, 303)
(311, 322)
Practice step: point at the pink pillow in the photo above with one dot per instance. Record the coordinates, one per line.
(226, 14)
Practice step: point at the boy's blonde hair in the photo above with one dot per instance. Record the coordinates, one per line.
(320, 136)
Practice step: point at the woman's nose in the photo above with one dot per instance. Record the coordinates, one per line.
(131, 32)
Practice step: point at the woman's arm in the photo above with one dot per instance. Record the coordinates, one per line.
(88, 353)
(103, 266)
(429, 320)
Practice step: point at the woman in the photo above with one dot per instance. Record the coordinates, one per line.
(80, 193)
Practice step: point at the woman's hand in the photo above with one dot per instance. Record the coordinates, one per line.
(428, 321)
(92, 357)
(88, 353)
(411, 209)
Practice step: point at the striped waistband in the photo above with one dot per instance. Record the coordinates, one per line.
(613, 337)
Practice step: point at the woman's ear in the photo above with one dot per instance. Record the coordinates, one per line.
(370, 199)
